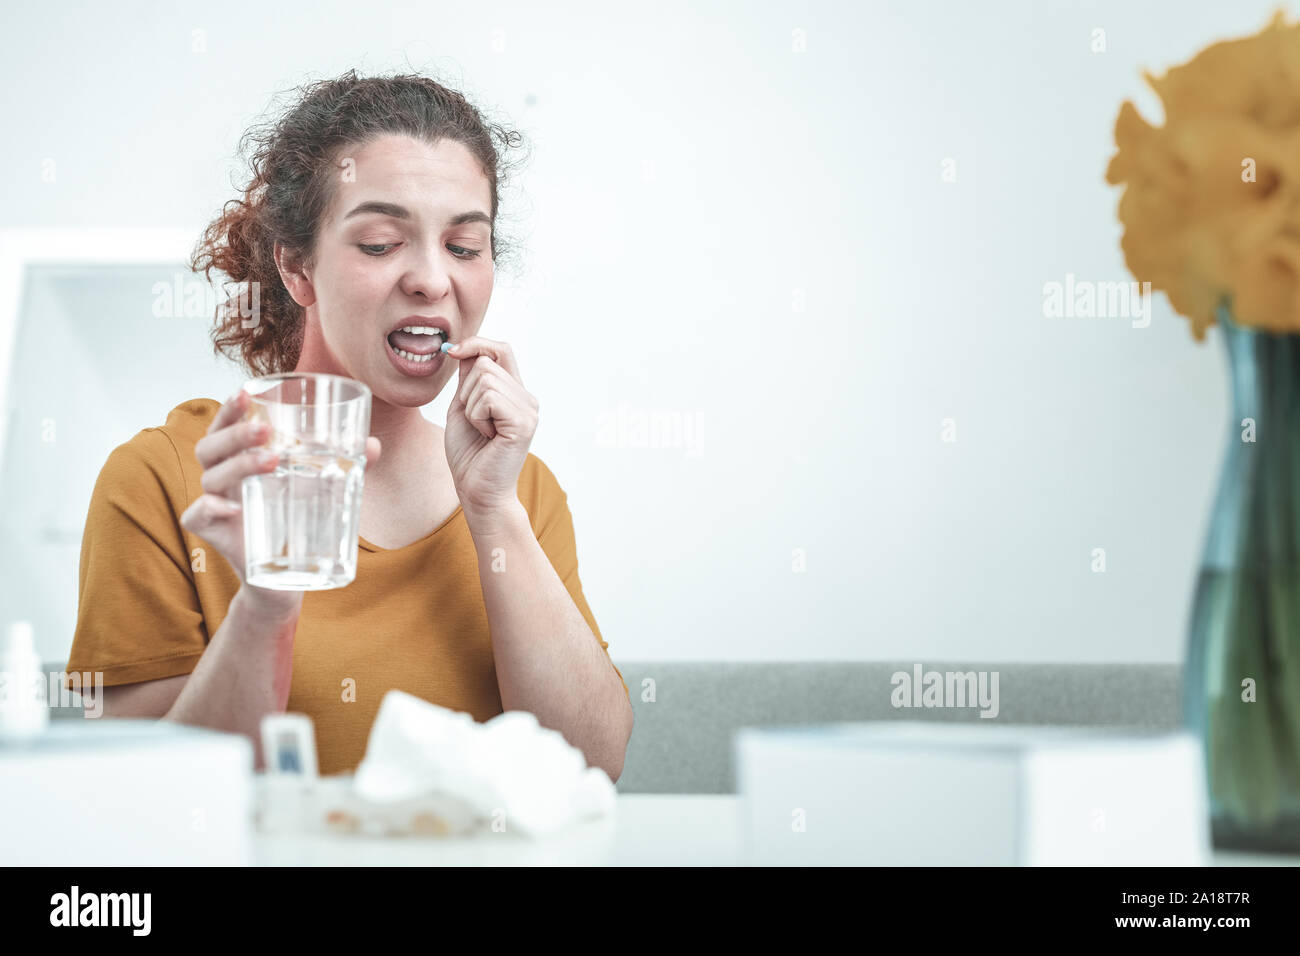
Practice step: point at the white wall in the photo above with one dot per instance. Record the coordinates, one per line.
(692, 179)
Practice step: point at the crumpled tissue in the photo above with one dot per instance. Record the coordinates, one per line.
(509, 771)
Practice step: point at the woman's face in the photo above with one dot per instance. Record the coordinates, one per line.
(427, 254)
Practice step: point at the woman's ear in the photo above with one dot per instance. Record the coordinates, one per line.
(295, 280)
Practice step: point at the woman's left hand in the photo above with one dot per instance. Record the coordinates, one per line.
(490, 424)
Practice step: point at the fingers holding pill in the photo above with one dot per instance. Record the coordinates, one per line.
(500, 353)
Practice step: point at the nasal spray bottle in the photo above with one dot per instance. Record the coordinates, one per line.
(24, 707)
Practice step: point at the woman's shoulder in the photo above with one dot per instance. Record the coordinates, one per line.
(189, 421)
(540, 491)
(537, 476)
(167, 450)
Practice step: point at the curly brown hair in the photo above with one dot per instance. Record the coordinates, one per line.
(291, 187)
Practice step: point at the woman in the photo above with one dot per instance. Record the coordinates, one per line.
(371, 211)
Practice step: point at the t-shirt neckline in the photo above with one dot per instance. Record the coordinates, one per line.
(365, 545)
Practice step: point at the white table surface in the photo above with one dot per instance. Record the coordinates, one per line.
(646, 830)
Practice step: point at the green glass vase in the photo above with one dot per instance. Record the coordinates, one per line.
(1241, 685)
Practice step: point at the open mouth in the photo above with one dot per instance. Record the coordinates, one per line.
(417, 343)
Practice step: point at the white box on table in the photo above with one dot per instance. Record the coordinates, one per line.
(124, 792)
(928, 793)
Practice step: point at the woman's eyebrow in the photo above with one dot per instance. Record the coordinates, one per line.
(401, 212)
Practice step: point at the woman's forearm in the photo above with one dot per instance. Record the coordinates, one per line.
(246, 670)
(547, 658)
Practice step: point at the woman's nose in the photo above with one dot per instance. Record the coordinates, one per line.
(427, 275)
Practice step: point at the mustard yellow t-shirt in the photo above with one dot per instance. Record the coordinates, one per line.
(152, 595)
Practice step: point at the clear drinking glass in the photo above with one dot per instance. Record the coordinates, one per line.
(301, 521)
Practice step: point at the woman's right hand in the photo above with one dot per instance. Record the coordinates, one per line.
(232, 450)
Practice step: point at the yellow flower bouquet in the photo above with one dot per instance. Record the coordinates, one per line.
(1211, 202)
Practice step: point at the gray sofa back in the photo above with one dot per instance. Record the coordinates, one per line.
(681, 742)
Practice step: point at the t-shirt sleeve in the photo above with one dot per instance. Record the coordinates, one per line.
(138, 613)
(554, 529)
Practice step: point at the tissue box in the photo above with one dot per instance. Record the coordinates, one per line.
(909, 793)
(118, 792)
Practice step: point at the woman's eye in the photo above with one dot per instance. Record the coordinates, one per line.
(459, 251)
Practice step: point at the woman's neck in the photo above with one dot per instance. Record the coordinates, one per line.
(410, 444)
